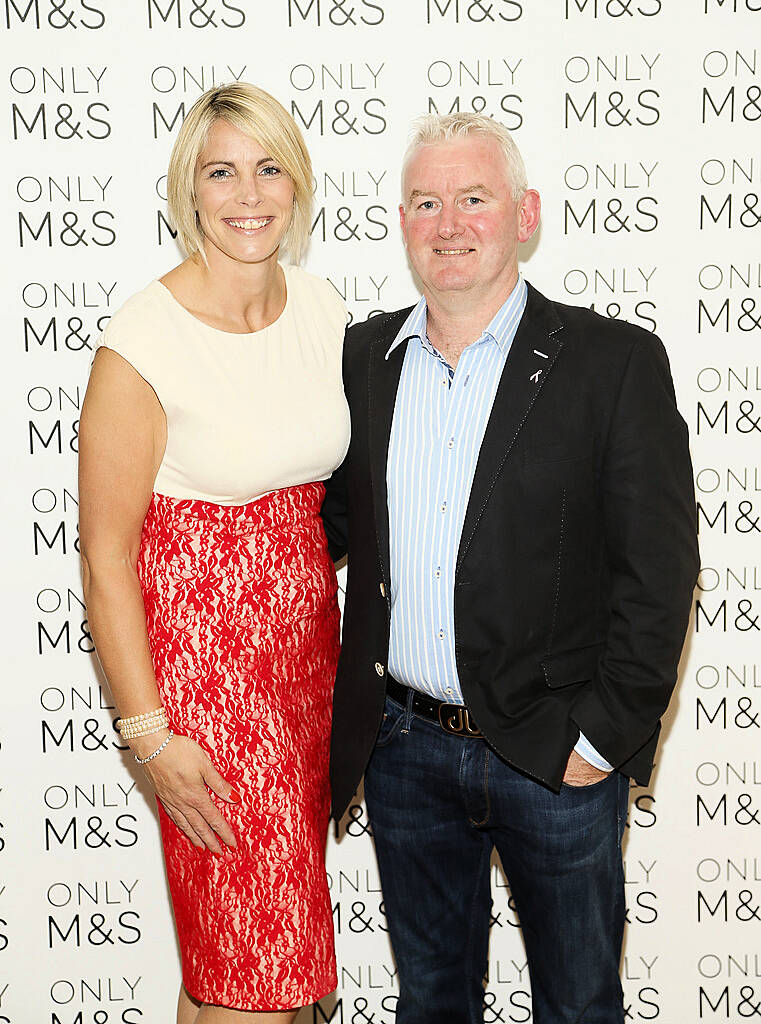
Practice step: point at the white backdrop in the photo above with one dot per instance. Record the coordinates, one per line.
(640, 122)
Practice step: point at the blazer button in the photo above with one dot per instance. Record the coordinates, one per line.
(379, 668)
(383, 589)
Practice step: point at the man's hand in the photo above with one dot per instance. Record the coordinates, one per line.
(581, 773)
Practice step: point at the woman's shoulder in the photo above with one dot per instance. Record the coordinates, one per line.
(138, 313)
(315, 293)
(141, 331)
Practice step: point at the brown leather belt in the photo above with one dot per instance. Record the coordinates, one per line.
(453, 718)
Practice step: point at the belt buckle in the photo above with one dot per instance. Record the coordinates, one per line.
(455, 719)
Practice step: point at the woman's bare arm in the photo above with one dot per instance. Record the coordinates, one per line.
(120, 448)
(121, 444)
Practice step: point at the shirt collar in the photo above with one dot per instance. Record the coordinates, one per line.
(501, 329)
(413, 326)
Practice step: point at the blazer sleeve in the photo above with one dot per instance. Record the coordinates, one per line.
(333, 514)
(651, 542)
(334, 505)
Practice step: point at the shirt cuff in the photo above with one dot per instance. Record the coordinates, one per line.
(585, 749)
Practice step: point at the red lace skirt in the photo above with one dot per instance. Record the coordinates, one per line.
(243, 626)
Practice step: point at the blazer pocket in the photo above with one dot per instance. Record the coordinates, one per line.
(570, 667)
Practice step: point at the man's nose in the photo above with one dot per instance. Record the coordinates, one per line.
(449, 222)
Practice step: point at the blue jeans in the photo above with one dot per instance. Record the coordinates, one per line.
(438, 804)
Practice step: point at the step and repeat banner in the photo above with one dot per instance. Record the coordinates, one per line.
(640, 123)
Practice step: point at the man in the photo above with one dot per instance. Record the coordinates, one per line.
(518, 504)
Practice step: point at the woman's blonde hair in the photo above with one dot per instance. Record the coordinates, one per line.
(257, 114)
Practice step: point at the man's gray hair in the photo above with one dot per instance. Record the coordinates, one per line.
(435, 128)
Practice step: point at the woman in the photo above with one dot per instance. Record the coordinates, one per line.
(214, 408)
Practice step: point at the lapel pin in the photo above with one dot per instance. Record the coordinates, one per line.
(535, 376)
(542, 354)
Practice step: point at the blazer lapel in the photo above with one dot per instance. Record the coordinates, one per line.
(382, 385)
(532, 354)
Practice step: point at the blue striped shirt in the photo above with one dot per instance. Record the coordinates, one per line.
(439, 423)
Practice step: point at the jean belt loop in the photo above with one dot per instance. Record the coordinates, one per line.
(407, 723)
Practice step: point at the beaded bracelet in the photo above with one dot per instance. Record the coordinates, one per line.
(156, 752)
(146, 729)
(134, 719)
(142, 725)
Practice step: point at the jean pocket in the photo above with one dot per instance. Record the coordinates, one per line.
(391, 724)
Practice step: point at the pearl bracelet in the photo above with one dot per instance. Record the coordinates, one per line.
(146, 730)
(134, 719)
(156, 752)
(143, 725)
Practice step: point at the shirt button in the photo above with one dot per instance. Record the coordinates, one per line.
(383, 589)
(449, 690)
(437, 573)
(442, 634)
(451, 443)
(443, 506)
(379, 668)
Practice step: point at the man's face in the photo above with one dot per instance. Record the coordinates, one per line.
(460, 223)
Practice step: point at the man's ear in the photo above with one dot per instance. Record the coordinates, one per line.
(528, 215)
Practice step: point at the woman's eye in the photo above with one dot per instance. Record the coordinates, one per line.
(220, 172)
(270, 171)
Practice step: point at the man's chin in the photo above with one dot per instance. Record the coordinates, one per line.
(451, 279)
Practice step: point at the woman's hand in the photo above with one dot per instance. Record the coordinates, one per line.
(180, 776)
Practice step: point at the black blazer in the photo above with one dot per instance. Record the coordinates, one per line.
(578, 554)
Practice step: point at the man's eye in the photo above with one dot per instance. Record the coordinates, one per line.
(427, 204)
(473, 200)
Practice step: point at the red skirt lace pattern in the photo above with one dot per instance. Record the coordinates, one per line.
(243, 628)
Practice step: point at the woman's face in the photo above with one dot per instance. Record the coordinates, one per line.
(244, 199)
